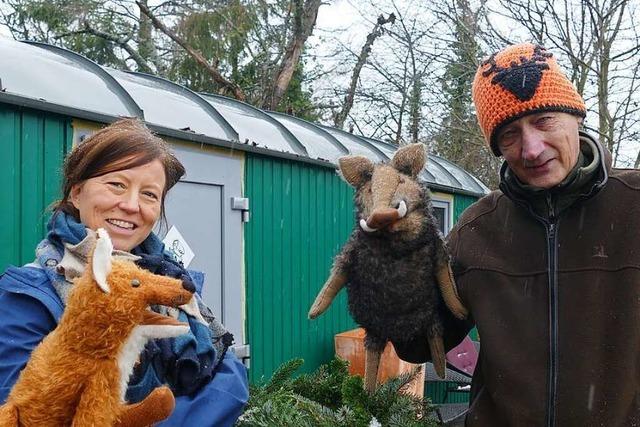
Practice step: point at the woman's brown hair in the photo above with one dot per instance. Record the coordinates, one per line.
(125, 144)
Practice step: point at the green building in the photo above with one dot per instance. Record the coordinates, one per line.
(261, 207)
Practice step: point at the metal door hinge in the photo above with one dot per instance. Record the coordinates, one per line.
(241, 204)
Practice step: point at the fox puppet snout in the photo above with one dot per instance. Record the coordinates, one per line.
(140, 287)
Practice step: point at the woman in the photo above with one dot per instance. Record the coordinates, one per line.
(117, 180)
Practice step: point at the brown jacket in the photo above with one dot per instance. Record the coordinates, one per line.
(557, 306)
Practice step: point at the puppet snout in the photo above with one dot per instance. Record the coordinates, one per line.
(384, 217)
(172, 292)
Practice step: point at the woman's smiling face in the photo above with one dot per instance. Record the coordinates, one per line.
(127, 203)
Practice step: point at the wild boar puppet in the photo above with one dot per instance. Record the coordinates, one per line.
(77, 376)
(394, 265)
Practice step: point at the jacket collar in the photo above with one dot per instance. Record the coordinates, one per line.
(586, 179)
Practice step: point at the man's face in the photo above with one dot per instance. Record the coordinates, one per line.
(542, 148)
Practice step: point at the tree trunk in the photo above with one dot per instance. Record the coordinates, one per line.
(604, 118)
(414, 108)
(304, 21)
(400, 122)
(362, 59)
(146, 46)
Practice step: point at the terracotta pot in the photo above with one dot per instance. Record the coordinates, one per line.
(350, 347)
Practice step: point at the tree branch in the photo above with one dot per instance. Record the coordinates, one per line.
(195, 54)
(362, 59)
(120, 41)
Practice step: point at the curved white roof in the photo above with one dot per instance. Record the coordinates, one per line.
(54, 79)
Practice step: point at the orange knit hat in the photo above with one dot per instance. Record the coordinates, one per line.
(519, 80)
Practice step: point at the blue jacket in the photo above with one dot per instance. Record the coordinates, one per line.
(30, 308)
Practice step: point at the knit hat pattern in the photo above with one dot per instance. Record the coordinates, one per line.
(521, 79)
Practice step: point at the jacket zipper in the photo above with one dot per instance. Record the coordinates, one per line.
(551, 227)
(552, 233)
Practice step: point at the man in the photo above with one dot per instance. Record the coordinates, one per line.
(549, 266)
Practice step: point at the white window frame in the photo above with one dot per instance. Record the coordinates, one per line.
(447, 205)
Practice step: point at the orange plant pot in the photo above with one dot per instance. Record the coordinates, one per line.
(350, 347)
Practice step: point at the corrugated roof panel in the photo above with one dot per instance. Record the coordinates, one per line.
(485, 189)
(356, 146)
(466, 180)
(33, 72)
(320, 144)
(166, 106)
(387, 149)
(255, 127)
(442, 176)
(427, 176)
(55, 79)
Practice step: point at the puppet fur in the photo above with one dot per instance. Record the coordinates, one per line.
(394, 265)
(78, 374)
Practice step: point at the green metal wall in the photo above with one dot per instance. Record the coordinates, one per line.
(301, 215)
(460, 203)
(33, 147)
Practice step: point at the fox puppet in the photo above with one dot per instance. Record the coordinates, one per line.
(395, 265)
(78, 374)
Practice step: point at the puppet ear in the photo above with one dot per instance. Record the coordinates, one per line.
(101, 261)
(410, 159)
(356, 170)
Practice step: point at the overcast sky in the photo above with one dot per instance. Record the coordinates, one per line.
(338, 15)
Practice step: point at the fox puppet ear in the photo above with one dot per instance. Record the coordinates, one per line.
(101, 260)
(356, 170)
(410, 159)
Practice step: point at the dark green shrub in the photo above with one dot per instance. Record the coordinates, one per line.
(330, 397)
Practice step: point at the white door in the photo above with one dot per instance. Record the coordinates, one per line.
(200, 208)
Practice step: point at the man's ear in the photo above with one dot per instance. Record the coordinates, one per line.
(410, 159)
(356, 170)
(101, 260)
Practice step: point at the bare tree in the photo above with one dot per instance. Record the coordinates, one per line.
(377, 31)
(456, 134)
(407, 90)
(390, 99)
